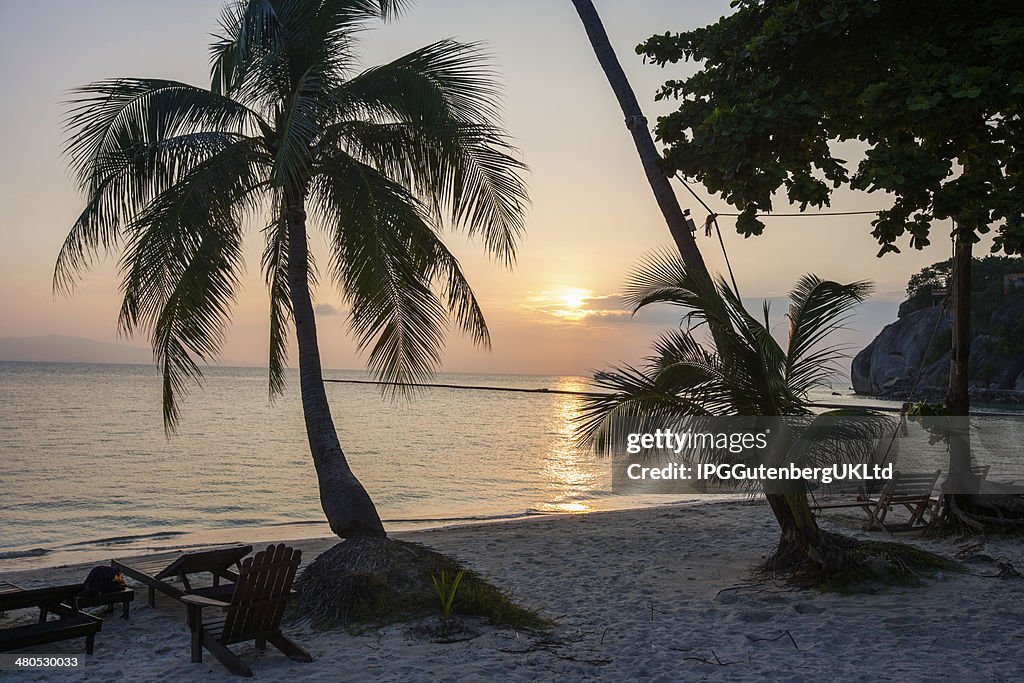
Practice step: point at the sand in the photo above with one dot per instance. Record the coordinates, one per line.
(663, 594)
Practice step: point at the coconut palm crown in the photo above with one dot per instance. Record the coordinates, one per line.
(291, 135)
(742, 371)
(747, 371)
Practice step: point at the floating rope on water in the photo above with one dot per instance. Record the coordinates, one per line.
(595, 394)
(470, 387)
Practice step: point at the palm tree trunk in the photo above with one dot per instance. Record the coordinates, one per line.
(348, 507)
(637, 125)
(801, 541)
(801, 536)
(799, 529)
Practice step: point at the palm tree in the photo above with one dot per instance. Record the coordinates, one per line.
(745, 373)
(289, 131)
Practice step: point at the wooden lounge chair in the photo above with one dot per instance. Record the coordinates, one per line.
(912, 490)
(157, 571)
(254, 612)
(71, 623)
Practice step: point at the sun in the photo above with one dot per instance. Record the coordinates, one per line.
(570, 304)
(574, 298)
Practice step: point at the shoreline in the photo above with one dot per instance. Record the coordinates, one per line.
(986, 398)
(100, 550)
(658, 594)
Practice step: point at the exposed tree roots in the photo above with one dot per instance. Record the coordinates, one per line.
(979, 514)
(853, 565)
(793, 563)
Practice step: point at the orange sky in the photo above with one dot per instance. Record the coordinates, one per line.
(592, 216)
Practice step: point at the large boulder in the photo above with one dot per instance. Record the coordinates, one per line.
(889, 363)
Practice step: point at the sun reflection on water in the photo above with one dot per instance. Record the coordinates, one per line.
(572, 474)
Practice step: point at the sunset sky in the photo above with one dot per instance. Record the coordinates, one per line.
(592, 216)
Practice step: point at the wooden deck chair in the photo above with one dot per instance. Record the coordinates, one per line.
(157, 571)
(254, 613)
(912, 490)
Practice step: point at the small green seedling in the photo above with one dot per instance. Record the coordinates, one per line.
(446, 592)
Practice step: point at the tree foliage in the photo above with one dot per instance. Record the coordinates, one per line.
(987, 286)
(380, 160)
(932, 89)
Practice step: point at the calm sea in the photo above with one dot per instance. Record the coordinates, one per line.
(86, 471)
(85, 467)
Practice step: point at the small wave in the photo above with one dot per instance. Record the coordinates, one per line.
(123, 540)
(468, 518)
(301, 522)
(14, 554)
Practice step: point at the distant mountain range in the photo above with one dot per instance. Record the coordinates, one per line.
(60, 349)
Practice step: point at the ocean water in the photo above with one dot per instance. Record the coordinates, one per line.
(86, 471)
(85, 464)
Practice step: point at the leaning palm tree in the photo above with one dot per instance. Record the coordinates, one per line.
(290, 133)
(636, 122)
(745, 372)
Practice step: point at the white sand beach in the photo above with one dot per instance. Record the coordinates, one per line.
(662, 594)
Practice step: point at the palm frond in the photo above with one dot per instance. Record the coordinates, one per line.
(445, 146)
(182, 262)
(301, 125)
(818, 309)
(106, 114)
(264, 47)
(122, 183)
(662, 277)
(247, 60)
(631, 399)
(838, 436)
(194, 317)
(275, 272)
(384, 267)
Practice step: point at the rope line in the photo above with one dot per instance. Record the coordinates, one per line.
(712, 219)
(595, 394)
(805, 214)
(802, 214)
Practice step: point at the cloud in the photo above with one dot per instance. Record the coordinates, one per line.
(573, 305)
(327, 309)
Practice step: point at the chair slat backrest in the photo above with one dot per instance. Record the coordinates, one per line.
(913, 484)
(212, 560)
(261, 592)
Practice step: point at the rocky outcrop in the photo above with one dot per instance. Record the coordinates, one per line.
(889, 365)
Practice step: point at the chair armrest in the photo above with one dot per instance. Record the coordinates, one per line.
(200, 601)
